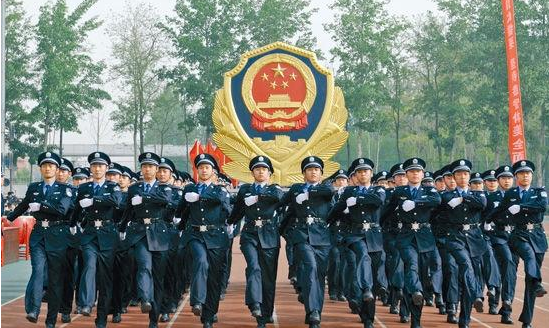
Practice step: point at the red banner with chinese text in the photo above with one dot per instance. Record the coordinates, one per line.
(517, 141)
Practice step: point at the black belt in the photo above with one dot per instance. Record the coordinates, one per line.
(505, 227)
(309, 220)
(205, 227)
(257, 223)
(365, 225)
(415, 226)
(529, 226)
(466, 226)
(148, 221)
(49, 224)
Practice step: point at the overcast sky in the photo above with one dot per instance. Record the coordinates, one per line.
(99, 43)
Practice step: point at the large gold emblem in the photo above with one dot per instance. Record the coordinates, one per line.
(280, 102)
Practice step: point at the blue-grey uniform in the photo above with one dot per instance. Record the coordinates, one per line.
(146, 209)
(96, 206)
(490, 267)
(394, 265)
(336, 262)
(123, 258)
(503, 226)
(440, 226)
(415, 241)
(526, 207)
(466, 241)
(205, 208)
(49, 204)
(260, 240)
(364, 236)
(308, 206)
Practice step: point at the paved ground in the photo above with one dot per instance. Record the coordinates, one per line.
(233, 312)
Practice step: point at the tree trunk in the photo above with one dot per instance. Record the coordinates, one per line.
(359, 142)
(61, 142)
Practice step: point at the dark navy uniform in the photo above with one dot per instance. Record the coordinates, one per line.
(207, 239)
(415, 240)
(528, 240)
(364, 238)
(96, 206)
(48, 242)
(466, 241)
(146, 209)
(308, 208)
(260, 244)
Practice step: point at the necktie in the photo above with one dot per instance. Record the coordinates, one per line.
(257, 189)
(147, 188)
(310, 187)
(414, 192)
(47, 190)
(200, 188)
(96, 189)
(522, 194)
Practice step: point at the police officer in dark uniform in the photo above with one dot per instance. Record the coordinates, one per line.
(95, 206)
(490, 267)
(49, 202)
(146, 208)
(413, 205)
(503, 226)
(466, 241)
(206, 207)
(124, 261)
(258, 203)
(336, 262)
(526, 206)
(394, 265)
(165, 176)
(63, 175)
(308, 206)
(364, 238)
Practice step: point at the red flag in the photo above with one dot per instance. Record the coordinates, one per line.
(517, 141)
(196, 150)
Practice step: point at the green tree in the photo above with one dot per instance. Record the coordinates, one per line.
(70, 81)
(23, 137)
(165, 120)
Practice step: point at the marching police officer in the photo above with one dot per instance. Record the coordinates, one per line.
(466, 241)
(95, 206)
(146, 209)
(260, 241)
(364, 238)
(206, 207)
(308, 206)
(526, 205)
(503, 226)
(49, 202)
(415, 240)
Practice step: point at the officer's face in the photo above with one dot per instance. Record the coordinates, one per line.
(63, 176)
(353, 181)
(476, 186)
(163, 175)
(505, 183)
(440, 185)
(341, 182)
(462, 178)
(148, 171)
(77, 181)
(261, 174)
(312, 174)
(383, 183)
(114, 177)
(98, 171)
(428, 183)
(125, 182)
(363, 176)
(491, 185)
(524, 178)
(48, 170)
(205, 172)
(450, 182)
(414, 176)
(391, 183)
(400, 180)
(178, 183)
